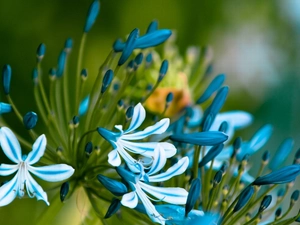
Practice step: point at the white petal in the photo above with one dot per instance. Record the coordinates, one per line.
(158, 128)
(8, 191)
(38, 149)
(119, 127)
(170, 195)
(34, 189)
(52, 173)
(159, 160)
(175, 170)
(138, 118)
(10, 145)
(6, 169)
(238, 119)
(114, 158)
(130, 200)
(147, 148)
(149, 207)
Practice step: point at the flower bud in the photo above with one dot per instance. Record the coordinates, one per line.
(30, 120)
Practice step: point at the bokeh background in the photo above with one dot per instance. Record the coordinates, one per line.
(255, 43)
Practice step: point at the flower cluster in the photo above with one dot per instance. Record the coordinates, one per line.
(140, 142)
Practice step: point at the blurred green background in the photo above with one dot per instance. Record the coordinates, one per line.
(256, 44)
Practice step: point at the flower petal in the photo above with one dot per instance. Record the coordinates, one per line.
(84, 105)
(147, 148)
(6, 169)
(175, 170)
(38, 149)
(138, 118)
(114, 158)
(158, 128)
(35, 190)
(130, 200)
(52, 173)
(171, 195)
(8, 191)
(159, 160)
(10, 145)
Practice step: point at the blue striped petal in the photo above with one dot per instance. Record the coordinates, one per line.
(158, 128)
(159, 160)
(35, 190)
(8, 191)
(149, 207)
(175, 170)
(138, 118)
(170, 195)
(6, 169)
(38, 149)
(147, 148)
(114, 158)
(130, 200)
(10, 145)
(52, 173)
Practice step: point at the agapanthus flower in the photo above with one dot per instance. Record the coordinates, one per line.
(124, 141)
(139, 186)
(23, 182)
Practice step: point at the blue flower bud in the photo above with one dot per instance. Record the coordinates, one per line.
(208, 138)
(107, 134)
(107, 79)
(126, 175)
(75, 121)
(218, 177)
(223, 127)
(213, 152)
(30, 120)
(129, 46)
(282, 153)
(169, 98)
(153, 26)
(64, 189)
(294, 197)
(297, 157)
(236, 146)
(163, 70)
(115, 187)
(265, 203)
(35, 76)
(138, 59)
(149, 59)
(208, 122)
(88, 148)
(193, 195)
(214, 85)
(266, 157)
(116, 86)
(149, 87)
(224, 167)
(118, 45)
(84, 74)
(217, 103)
(84, 105)
(130, 66)
(5, 108)
(61, 63)
(92, 15)
(284, 175)
(129, 113)
(40, 52)
(278, 212)
(280, 193)
(153, 39)
(52, 73)
(68, 45)
(120, 103)
(113, 208)
(244, 198)
(6, 77)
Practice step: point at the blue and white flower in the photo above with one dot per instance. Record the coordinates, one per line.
(123, 141)
(139, 186)
(23, 165)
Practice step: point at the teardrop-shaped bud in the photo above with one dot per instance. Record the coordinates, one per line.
(29, 120)
(40, 52)
(193, 195)
(92, 15)
(64, 190)
(113, 208)
(115, 187)
(107, 79)
(244, 198)
(6, 78)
